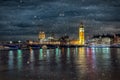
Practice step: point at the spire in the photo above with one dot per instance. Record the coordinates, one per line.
(81, 25)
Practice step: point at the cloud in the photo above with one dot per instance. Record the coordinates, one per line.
(59, 16)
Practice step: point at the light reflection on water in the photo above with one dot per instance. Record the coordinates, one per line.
(40, 54)
(57, 50)
(61, 63)
(10, 61)
(19, 59)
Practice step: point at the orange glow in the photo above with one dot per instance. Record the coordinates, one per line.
(82, 59)
(81, 35)
(81, 40)
(74, 42)
(41, 35)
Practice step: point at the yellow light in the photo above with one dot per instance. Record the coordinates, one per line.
(81, 35)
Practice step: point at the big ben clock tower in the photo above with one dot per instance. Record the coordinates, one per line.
(81, 35)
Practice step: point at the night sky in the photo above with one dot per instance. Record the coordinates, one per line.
(23, 19)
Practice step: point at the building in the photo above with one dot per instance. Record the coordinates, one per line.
(81, 35)
(116, 39)
(74, 42)
(41, 36)
(81, 38)
(100, 40)
(64, 40)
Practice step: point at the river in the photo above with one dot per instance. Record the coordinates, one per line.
(60, 64)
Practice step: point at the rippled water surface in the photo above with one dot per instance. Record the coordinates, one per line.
(60, 64)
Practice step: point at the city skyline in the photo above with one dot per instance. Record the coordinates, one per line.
(21, 19)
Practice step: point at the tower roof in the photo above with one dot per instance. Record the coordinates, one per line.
(81, 25)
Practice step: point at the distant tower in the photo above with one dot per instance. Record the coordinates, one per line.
(81, 35)
(41, 35)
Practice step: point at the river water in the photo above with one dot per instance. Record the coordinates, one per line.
(60, 64)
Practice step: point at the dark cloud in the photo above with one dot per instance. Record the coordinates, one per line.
(28, 17)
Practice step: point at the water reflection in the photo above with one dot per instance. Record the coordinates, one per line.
(10, 61)
(19, 59)
(32, 60)
(61, 64)
(40, 54)
(91, 63)
(81, 62)
(114, 58)
(57, 50)
(31, 56)
(91, 56)
(63, 56)
(48, 55)
(106, 52)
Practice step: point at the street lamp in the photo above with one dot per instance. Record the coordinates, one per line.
(11, 42)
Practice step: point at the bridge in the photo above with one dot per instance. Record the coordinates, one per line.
(53, 45)
(38, 46)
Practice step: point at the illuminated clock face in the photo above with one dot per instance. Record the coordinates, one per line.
(81, 30)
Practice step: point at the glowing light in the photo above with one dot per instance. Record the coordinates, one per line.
(19, 41)
(48, 54)
(40, 54)
(41, 35)
(68, 52)
(106, 52)
(76, 50)
(81, 35)
(19, 59)
(31, 55)
(11, 42)
(57, 54)
(82, 59)
(10, 62)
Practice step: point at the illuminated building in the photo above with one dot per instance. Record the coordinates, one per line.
(81, 40)
(65, 39)
(100, 41)
(74, 42)
(116, 39)
(81, 35)
(41, 35)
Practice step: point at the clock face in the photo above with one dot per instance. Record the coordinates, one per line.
(81, 30)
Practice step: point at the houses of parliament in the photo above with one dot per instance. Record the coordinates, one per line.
(51, 40)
